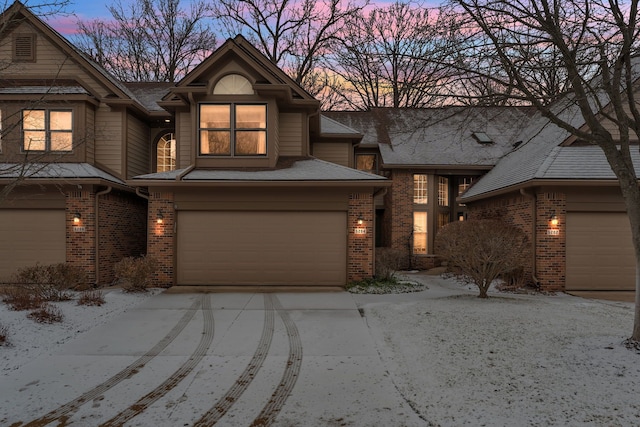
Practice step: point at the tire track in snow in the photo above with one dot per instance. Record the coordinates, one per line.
(64, 412)
(223, 405)
(175, 378)
(290, 375)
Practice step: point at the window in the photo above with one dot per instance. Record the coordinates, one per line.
(420, 232)
(233, 84)
(463, 184)
(233, 130)
(47, 130)
(367, 163)
(420, 190)
(443, 219)
(166, 153)
(443, 191)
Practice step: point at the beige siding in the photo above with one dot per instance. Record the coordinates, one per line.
(184, 139)
(89, 142)
(109, 138)
(50, 61)
(138, 160)
(334, 152)
(291, 138)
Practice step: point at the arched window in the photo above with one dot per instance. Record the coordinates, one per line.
(233, 84)
(166, 153)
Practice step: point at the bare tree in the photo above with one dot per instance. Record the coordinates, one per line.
(149, 40)
(395, 56)
(294, 34)
(594, 43)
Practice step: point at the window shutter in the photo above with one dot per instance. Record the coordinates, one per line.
(24, 48)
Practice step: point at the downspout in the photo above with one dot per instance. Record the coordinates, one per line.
(97, 250)
(534, 217)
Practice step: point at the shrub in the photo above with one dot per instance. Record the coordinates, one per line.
(4, 335)
(47, 313)
(388, 261)
(51, 282)
(135, 273)
(21, 297)
(91, 297)
(480, 251)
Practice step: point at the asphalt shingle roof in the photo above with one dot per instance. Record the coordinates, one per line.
(55, 171)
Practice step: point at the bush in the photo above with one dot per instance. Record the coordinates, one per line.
(4, 335)
(47, 313)
(51, 282)
(480, 251)
(388, 261)
(21, 297)
(135, 273)
(91, 297)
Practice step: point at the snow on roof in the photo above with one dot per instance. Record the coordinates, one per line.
(302, 170)
(55, 171)
(442, 136)
(149, 93)
(37, 90)
(330, 126)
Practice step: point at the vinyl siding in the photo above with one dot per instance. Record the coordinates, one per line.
(184, 140)
(290, 134)
(138, 159)
(333, 152)
(108, 151)
(90, 146)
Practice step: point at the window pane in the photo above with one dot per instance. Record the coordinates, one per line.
(419, 232)
(251, 116)
(443, 191)
(420, 192)
(443, 219)
(60, 120)
(61, 141)
(34, 140)
(366, 163)
(166, 153)
(251, 142)
(215, 116)
(33, 119)
(215, 142)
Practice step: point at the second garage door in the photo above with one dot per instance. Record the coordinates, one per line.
(262, 248)
(599, 252)
(30, 237)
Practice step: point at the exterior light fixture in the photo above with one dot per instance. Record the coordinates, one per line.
(76, 218)
(360, 220)
(160, 217)
(553, 220)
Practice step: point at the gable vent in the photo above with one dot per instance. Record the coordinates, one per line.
(24, 47)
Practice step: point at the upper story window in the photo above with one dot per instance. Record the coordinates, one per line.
(233, 84)
(420, 190)
(47, 130)
(443, 191)
(367, 163)
(233, 129)
(166, 153)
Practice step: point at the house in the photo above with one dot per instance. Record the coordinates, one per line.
(229, 177)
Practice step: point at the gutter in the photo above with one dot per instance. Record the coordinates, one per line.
(534, 217)
(97, 242)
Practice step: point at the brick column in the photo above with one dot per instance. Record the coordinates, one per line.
(161, 237)
(360, 249)
(551, 247)
(399, 219)
(81, 237)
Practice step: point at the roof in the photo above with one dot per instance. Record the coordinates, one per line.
(38, 90)
(329, 126)
(149, 93)
(62, 171)
(438, 137)
(303, 170)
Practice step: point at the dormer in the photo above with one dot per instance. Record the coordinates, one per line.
(239, 110)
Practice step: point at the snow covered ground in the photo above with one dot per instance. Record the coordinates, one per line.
(511, 360)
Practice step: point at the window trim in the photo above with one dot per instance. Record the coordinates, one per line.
(173, 151)
(47, 130)
(233, 130)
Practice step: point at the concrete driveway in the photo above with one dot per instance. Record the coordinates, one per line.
(231, 359)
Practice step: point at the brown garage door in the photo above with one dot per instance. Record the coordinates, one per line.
(30, 237)
(599, 252)
(262, 248)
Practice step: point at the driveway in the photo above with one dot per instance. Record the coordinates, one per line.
(233, 359)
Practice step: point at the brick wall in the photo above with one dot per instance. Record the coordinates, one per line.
(160, 237)
(398, 217)
(360, 255)
(122, 230)
(81, 237)
(550, 252)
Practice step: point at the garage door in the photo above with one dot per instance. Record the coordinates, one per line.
(599, 252)
(30, 237)
(262, 248)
